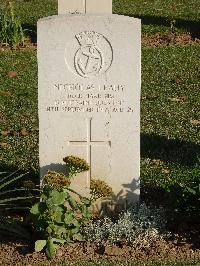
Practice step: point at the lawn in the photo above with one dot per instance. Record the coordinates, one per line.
(157, 16)
(170, 100)
(170, 143)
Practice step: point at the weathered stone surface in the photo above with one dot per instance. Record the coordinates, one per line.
(71, 6)
(85, 6)
(89, 98)
(99, 6)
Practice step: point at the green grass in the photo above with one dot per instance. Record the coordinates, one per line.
(157, 15)
(29, 11)
(167, 133)
(170, 73)
(18, 110)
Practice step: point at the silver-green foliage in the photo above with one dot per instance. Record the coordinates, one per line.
(11, 32)
(131, 225)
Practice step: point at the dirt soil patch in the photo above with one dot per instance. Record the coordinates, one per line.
(149, 249)
(148, 40)
(166, 39)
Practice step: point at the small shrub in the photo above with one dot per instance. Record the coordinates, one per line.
(59, 218)
(11, 32)
(61, 212)
(131, 225)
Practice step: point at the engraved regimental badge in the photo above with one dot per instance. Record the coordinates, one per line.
(91, 55)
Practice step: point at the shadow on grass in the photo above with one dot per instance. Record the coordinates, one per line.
(169, 150)
(17, 195)
(30, 173)
(19, 190)
(31, 31)
(189, 25)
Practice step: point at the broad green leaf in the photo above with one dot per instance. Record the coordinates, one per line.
(58, 197)
(61, 241)
(61, 230)
(68, 218)
(75, 230)
(72, 203)
(38, 208)
(75, 222)
(58, 216)
(85, 211)
(35, 209)
(51, 249)
(86, 201)
(49, 230)
(39, 245)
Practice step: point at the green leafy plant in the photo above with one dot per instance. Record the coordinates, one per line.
(11, 32)
(59, 218)
(61, 212)
(8, 198)
(12, 199)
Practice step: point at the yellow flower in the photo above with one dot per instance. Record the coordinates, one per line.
(56, 180)
(76, 163)
(100, 189)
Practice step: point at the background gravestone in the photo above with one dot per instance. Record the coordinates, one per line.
(89, 98)
(85, 6)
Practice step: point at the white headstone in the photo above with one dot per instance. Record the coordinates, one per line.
(85, 6)
(71, 6)
(89, 98)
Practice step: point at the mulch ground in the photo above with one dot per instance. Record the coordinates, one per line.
(167, 39)
(178, 248)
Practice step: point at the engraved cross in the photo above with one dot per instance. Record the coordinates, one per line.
(89, 143)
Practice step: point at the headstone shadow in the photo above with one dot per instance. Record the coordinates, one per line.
(169, 150)
(189, 25)
(60, 168)
(120, 201)
(31, 31)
